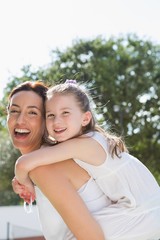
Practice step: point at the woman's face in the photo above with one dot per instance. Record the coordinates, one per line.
(25, 121)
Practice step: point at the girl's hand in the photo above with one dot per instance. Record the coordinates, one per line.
(25, 192)
(17, 187)
(22, 175)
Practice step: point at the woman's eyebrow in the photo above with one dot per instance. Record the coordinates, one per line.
(34, 107)
(15, 105)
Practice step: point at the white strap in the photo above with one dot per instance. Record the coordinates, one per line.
(28, 206)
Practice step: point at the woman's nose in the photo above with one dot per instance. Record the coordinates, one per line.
(21, 118)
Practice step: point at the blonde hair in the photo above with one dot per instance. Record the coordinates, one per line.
(70, 87)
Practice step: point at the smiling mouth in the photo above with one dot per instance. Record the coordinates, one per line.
(21, 132)
(60, 130)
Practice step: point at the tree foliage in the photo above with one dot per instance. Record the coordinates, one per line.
(7, 160)
(123, 77)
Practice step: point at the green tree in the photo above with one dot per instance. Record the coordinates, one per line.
(123, 77)
(8, 156)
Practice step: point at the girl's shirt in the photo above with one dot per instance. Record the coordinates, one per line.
(125, 181)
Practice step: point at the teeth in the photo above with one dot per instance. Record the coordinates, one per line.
(19, 130)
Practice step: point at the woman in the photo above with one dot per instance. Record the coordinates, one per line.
(59, 182)
(134, 212)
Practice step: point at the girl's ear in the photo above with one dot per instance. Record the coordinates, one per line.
(86, 118)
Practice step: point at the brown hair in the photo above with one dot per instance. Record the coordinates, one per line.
(38, 87)
(70, 87)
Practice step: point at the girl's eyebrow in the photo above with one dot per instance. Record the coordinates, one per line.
(66, 108)
(48, 110)
(62, 109)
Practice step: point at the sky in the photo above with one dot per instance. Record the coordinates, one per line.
(30, 29)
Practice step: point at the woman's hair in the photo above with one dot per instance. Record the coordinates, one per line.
(70, 87)
(37, 87)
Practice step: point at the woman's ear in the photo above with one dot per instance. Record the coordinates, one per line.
(86, 118)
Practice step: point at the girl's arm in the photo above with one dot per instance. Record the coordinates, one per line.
(84, 148)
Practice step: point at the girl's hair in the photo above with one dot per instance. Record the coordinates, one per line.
(70, 87)
(37, 87)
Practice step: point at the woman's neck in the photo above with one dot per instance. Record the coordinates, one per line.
(29, 149)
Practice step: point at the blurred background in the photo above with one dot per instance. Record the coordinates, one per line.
(111, 46)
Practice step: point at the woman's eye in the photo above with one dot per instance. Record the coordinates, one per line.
(33, 113)
(12, 111)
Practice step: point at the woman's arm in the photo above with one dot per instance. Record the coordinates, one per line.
(85, 149)
(64, 197)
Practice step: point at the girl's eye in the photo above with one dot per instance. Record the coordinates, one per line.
(65, 113)
(51, 115)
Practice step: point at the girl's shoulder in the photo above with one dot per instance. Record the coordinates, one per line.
(97, 136)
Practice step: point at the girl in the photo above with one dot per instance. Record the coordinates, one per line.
(134, 194)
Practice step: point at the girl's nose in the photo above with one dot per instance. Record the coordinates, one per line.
(57, 120)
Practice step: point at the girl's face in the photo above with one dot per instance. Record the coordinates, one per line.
(25, 121)
(64, 118)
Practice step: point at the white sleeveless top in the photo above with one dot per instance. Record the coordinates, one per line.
(134, 212)
(122, 195)
(53, 226)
